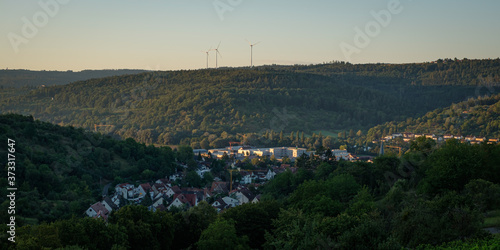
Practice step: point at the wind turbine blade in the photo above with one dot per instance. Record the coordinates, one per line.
(219, 53)
(218, 46)
(256, 43)
(249, 43)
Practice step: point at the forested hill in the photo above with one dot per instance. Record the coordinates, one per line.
(441, 72)
(474, 117)
(432, 197)
(21, 78)
(59, 171)
(215, 105)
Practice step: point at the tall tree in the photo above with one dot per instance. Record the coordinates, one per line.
(221, 235)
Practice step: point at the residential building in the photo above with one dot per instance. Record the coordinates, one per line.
(125, 190)
(143, 190)
(98, 210)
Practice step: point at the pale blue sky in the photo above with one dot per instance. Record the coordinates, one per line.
(170, 35)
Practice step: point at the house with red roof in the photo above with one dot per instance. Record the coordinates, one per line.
(165, 182)
(256, 199)
(125, 190)
(180, 200)
(243, 195)
(97, 210)
(219, 187)
(159, 188)
(173, 191)
(144, 189)
(220, 205)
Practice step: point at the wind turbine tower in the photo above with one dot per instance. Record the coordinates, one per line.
(251, 51)
(207, 54)
(217, 52)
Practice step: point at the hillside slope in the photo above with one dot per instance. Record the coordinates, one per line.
(21, 78)
(475, 117)
(59, 171)
(471, 72)
(189, 106)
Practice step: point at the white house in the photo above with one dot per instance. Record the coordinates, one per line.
(270, 174)
(165, 182)
(109, 204)
(159, 188)
(247, 178)
(256, 199)
(176, 203)
(202, 170)
(116, 200)
(97, 209)
(184, 199)
(341, 154)
(158, 201)
(144, 189)
(219, 204)
(243, 196)
(230, 201)
(175, 177)
(172, 191)
(125, 190)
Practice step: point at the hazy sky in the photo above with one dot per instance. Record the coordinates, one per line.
(169, 35)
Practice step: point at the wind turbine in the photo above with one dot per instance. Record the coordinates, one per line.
(251, 51)
(217, 52)
(207, 54)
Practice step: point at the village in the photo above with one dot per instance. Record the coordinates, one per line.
(407, 137)
(167, 195)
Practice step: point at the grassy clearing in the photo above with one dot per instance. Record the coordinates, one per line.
(492, 219)
(333, 134)
(27, 220)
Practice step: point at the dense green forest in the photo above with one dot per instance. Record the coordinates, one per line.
(441, 72)
(216, 106)
(61, 170)
(433, 197)
(18, 78)
(474, 117)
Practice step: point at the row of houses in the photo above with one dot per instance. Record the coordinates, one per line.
(248, 177)
(411, 136)
(165, 196)
(343, 154)
(235, 198)
(240, 152)
(102, 208)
